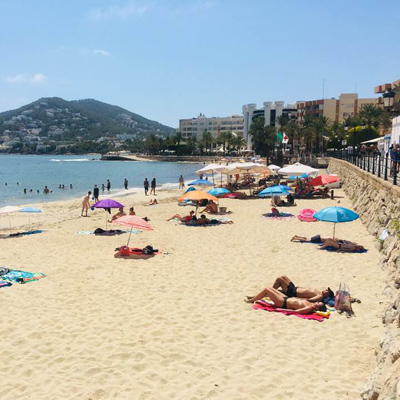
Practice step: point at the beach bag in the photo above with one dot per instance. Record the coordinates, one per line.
(343, 300)
(124, 251)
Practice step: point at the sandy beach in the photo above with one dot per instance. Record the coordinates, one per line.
(176, 326)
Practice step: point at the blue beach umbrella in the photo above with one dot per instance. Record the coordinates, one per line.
(201, 182)
(284, 187)
(273, 191)
(30, 210)
(218, 191)
(336, 215)
(190, 189)
(294, 177)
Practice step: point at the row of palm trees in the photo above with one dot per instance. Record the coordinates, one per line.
(316, 133)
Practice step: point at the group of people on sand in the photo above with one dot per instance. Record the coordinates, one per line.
(192, 220)
(330, 243)
(287, 296)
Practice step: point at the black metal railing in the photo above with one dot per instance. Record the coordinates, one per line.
(379, 164)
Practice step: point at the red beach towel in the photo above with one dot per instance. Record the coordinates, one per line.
(263, 305)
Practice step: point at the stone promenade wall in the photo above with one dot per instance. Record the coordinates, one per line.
(378, 204)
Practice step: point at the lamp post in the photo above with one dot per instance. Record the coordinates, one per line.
(388, 99)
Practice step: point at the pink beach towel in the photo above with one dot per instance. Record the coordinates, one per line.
(307, 215)
(263, 305)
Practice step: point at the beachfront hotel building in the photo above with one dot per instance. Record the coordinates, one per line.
(195, 127)
(271, 111)
(337, 110)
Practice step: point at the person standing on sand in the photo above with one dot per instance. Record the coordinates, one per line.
(126, 184)
(96, 193)
(86, 204)
(181, 182)
(153, 187)
(108, 185)
(146, 186)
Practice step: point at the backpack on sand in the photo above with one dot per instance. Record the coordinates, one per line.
(343, 300)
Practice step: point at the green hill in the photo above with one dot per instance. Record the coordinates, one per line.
(86, 119)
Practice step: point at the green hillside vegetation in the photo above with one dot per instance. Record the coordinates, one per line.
(95, 119)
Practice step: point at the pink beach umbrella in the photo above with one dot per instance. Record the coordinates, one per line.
(133, 221)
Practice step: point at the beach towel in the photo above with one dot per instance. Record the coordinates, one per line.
(92, 233)
(266, 306)
(332, 250)
(18, 276)
(281, 216)
(19, 234)
(136, 252)
(307, 215)
(5, 284)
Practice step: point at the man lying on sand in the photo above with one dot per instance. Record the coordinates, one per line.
(341, 245)
(203, 220)
(328, 243)
(290, 290)
(283, 302)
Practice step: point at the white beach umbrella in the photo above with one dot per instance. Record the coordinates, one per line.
(210, 169)
(247, 168)
(273, 167)
(9, 210)
(297, 169)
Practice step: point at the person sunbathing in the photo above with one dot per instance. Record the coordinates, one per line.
(283, 302)
(211, 208)
(290, 290)
(183, 219)
(203, 220)
(303, 239)
(119, 214)
(341, 245)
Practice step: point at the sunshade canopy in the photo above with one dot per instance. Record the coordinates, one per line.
(9, 209)
(31, 210)
(297, 169)
(201, 182)
(323, 180)
(336, 214)
(107, 203)
(198, 195)
(218, 191)
(133, 221)
(273, 191)
(211, 168)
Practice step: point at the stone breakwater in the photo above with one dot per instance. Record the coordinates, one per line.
(378, 204)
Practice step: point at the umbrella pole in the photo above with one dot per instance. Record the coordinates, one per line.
(213, 178)
(129, 238)
(9, 221)
(106, 219)
(334, 225)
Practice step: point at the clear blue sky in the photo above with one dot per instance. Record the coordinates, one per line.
(171, 59)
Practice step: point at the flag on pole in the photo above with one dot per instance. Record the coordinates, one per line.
(282, 137)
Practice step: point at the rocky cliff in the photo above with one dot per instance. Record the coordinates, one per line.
(378, 203)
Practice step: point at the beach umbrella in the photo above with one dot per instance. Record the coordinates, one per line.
(273, 167)
(30, 210)
(9, 210)
(273, 191)
(197, 195)
(107, 203)
(133, 221)
(211, 169)
(323, 180)
(201, 182)
(190, 189)
(218, 191)
(294, 177)
(336, 215)
(297, 169)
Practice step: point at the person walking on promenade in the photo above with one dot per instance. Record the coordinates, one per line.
(108, 185)
(153, 187)
(96, 193)
(146, 186)
(86, 204)
(181, 182)
(126, 184)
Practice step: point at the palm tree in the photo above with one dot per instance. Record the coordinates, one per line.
(207, 139)
(263, 137)
(371, 115)
(238, 143)
(336, 134)
(291, 129)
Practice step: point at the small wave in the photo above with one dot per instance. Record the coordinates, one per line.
(74, 160)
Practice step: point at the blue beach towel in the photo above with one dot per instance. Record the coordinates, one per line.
(18, 276)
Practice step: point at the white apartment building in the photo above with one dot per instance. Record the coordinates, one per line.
(195, 127)
(271, 111)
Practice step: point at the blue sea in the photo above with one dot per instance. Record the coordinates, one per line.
(19, 172)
